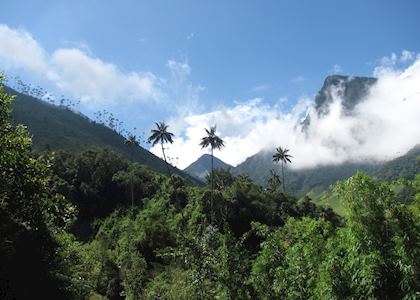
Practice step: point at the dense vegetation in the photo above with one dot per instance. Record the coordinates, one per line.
(70, 229)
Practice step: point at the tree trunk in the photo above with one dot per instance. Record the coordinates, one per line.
(282, 171)
(164, 157)
(212, 170)
(212, 188)
(131, 177)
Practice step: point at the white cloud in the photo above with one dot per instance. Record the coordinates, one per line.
(407, 56)
(19, 50)
(76, 72)
(382, 127)
(247, 128)
(393, 63)
(297, 79)
(179, 68)
(259, 88)
(337, 69)
(93, 81)
(185, 94)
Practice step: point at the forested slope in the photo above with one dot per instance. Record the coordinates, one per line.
(58, 127)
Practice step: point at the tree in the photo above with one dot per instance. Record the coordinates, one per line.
(214, 142)
(130, 142)
(161, 135)
(281, 155)
(30, 214)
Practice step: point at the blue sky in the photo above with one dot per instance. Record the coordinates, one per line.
(196, 57)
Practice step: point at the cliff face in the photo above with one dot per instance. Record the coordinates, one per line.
(350, 89)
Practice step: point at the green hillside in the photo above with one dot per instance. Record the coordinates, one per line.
(402, 167)
(317, 180)
(58, 127)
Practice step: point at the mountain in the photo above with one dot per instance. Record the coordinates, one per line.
(299, 182)
(318, 179)
(202, 166)
(58, 127)
(352, 91)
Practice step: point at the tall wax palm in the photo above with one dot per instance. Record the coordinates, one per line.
(274, 181)
(130, 142)
(161, 135)
(281, 155)
(214, 142)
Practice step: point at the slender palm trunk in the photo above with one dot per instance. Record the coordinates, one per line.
(212, 188)
(164, 157)
(131, 177)
(282, 171)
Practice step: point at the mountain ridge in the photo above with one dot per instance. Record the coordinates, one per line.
(57, 127)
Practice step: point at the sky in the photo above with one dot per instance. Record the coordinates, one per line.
(252, 68)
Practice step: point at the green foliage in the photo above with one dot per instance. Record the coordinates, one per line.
(140, 177)
(30, 214)
(287, 266)
(372, 255)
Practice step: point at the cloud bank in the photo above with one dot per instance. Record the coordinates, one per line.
(76, 72)
(381, 127)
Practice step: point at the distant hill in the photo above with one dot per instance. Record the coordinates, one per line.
(57, 127)
(202, 166)
(318, 179)
(405, 166)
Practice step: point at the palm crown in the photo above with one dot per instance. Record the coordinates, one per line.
(131, 140)
(160, 134)
(212, 139)
(281, 155)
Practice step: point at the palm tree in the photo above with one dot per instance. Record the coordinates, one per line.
(214, 142)
(281, 155)
(130, 142)
(161, 135)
